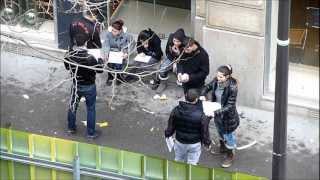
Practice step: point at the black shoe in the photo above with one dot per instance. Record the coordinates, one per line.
(227, 162)
(94, 136)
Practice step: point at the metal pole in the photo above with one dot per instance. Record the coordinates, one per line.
(281, 93)
(76, 168)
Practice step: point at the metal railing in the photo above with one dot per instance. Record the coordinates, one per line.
(36, 157)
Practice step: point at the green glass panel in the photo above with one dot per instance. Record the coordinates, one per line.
(21, 171)
(3, 139)
(154, 168)
(110, 159)
(62, 175)
(4, 171)
(42, 173)
(42, 147)
(221, 174)
(132, 163)
(242, 176)
(20, 142)
(65, 151)
(200, 173)
(87, 155)
(177, 171)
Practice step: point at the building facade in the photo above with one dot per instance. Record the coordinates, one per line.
(243, 33)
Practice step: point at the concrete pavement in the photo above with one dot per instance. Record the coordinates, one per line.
(137, 122)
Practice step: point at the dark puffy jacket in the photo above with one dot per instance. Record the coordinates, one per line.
(84, 76)
(228, 113)
(87, 27)
(196, 65)
(179, 34)
(154, 48)
(189, 123)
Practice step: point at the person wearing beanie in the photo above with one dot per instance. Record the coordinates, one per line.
(174, 49)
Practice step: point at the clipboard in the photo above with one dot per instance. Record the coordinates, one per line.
(209, 107)
(115, 57)
(142, 58)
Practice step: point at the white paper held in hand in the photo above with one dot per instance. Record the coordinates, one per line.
(115, 57)
(96, 53)
(142, 58)
(170, 143)
(209, 107)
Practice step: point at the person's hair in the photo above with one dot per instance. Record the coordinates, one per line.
(81, 39)
(117, 24)
(145, 35)
(189, 42)
(191, 95)
(225, 69)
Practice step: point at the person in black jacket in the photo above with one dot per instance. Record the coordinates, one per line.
(190, 126)
(87, 25)
(83, 83)
(224, 91)
(149, 44)
(193, 68)
(174, 49)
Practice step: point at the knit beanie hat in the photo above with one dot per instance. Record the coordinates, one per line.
(179, 34)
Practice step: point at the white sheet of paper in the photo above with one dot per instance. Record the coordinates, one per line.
(141, 58)
(209, 107)
(95, 52)
(115, 57)
(170, 143)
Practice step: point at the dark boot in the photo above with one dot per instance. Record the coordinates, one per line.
(219, 150)
(162, 86)
(154, 82)
(109, 79)
(227, 162)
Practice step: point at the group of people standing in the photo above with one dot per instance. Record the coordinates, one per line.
(184, 56)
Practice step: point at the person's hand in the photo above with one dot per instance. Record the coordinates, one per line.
(141, 54)
(185, 77)
(202, 98)
(125, 55)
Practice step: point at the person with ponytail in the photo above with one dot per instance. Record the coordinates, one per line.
(116, 40)
(224, 91)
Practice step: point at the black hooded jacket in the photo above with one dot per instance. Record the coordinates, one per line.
(189, 123)
(196, 65)
(84, 76)
(180, 35)
(227, 116)
(154, 48)
(85, 26)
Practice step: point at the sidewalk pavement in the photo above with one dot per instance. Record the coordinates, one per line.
(137, 121)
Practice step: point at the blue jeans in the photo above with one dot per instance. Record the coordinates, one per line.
(165, 66)
(228, 138)
(90, 94)
(189, 153)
